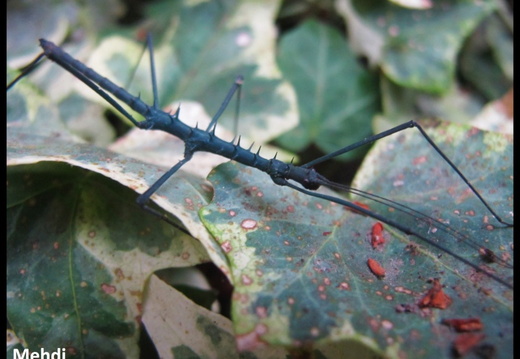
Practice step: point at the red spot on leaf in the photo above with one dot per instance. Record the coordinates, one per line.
(226, 246)
(246, 280)
(378, 238)
(252, 340)
(418, 160)
(376, 268)
(343, 286)
(108, 289)
(360, 204)
(435, 297)
(464, 325)
(465, 342)
(248, 224)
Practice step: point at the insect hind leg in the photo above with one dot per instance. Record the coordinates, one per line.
(436, 148)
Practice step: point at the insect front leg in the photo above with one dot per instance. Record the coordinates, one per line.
(144, 198)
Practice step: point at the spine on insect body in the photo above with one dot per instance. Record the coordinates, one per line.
(195, 139)
(199, 140)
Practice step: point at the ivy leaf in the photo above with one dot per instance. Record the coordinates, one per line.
(486, 62)
(74, 238)
(299, 264)
(190, 330)
(335, 94)
(415, 48)
(201, 65)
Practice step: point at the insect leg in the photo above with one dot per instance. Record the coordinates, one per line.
(400, 227)
(152, 68)
(237, 109)
(399, 128)
(143, 199)
(452, 165)
(236, 86)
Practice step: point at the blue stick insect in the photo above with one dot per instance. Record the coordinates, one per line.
(304, 178)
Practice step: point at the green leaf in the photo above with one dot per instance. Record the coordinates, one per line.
(74, 238)
(299, 264)
(402, 104)
(190, 330)
(335, 95)
(201, 65)
(22, 35)
(55, 21)
(501, 42)
(200, 47)
(415, 48)
(489, 53)
(27, 108)
(186, 328)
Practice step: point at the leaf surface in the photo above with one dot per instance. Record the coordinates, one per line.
(201, 65)
(190, 330)
(415, 48)
(336, 97)
(299, 264)
(80, 249)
